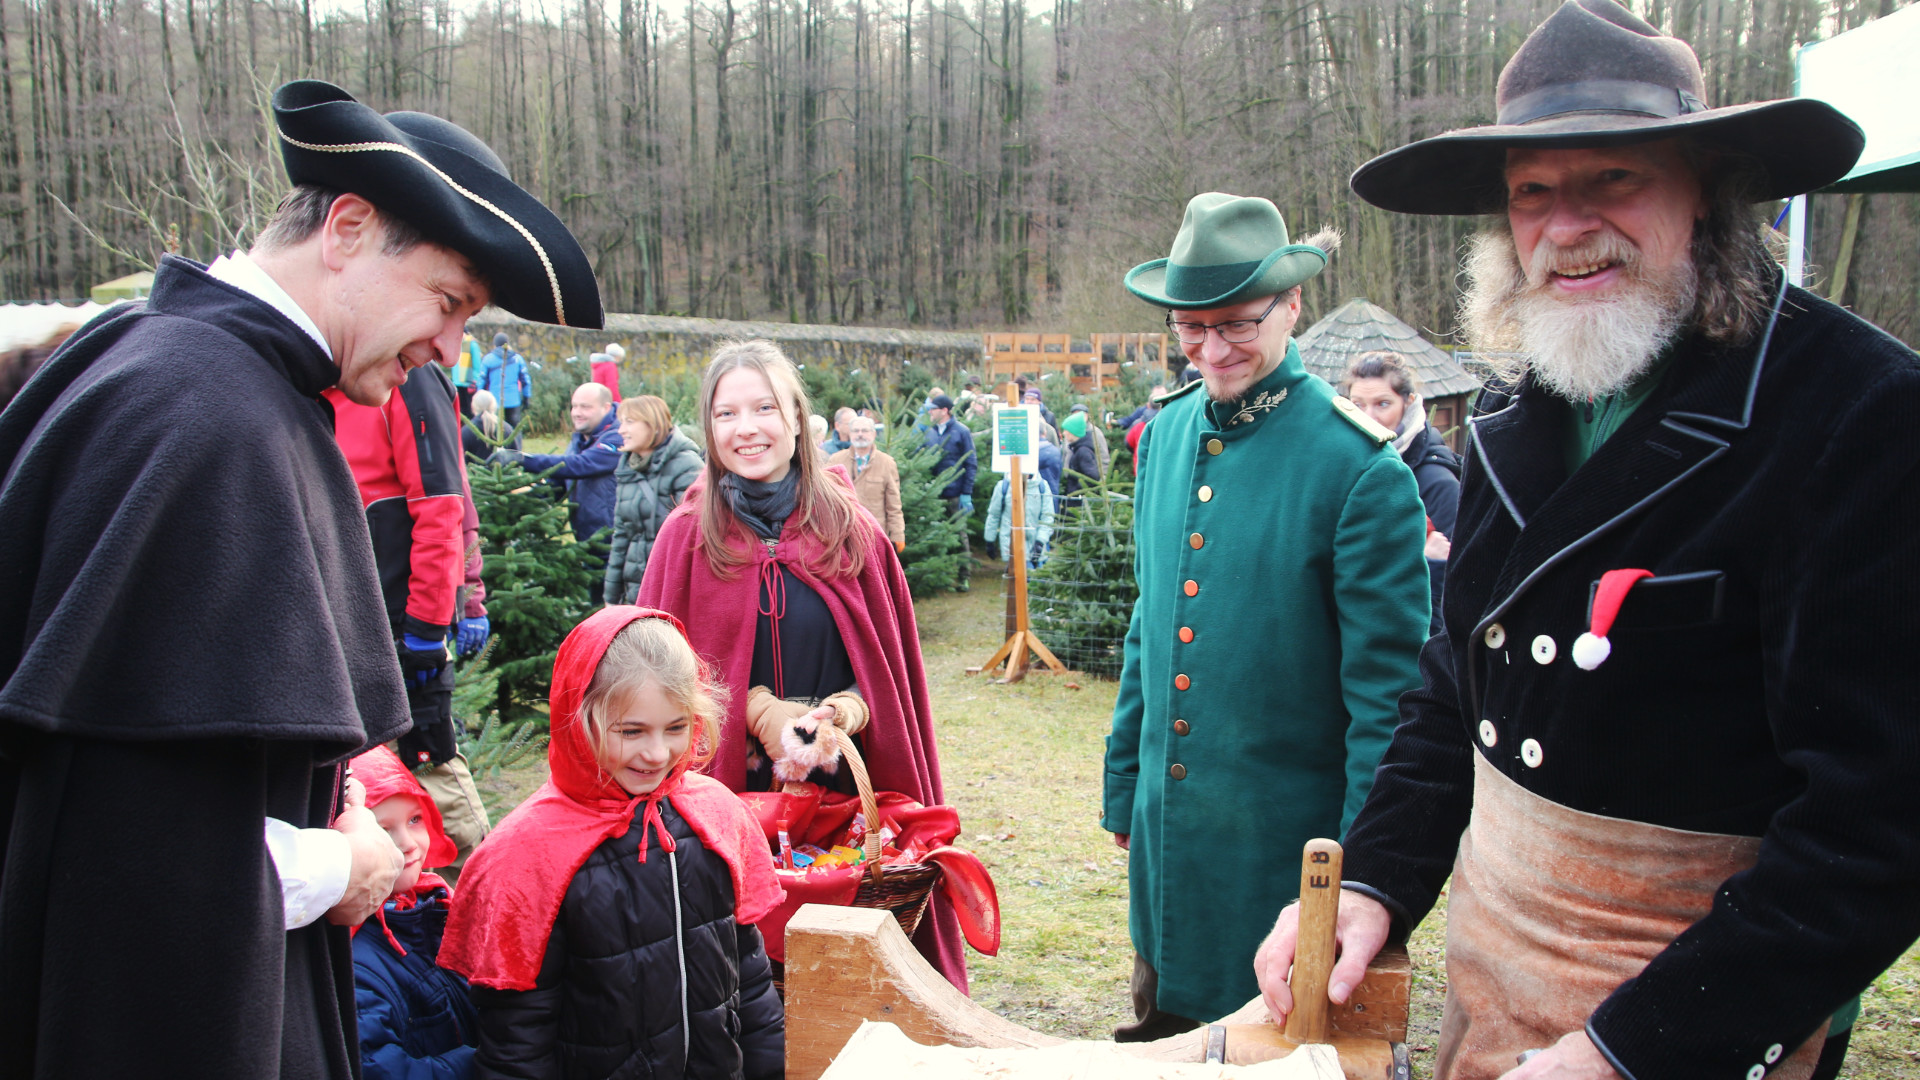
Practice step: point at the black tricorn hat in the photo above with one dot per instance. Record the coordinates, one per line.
(440, 179)
(1593, 75)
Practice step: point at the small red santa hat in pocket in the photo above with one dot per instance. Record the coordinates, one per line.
(1591, 649)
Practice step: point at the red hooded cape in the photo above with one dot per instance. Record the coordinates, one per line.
(875, 617)
(381, 770)
(511, 889)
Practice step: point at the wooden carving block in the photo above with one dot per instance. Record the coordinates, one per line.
(845, 965)
(1378, 1007)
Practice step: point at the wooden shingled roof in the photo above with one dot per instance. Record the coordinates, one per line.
(1359, 326)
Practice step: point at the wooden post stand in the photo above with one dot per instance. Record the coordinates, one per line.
(1023, 639)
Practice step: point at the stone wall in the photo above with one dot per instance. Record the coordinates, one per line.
(661, 341)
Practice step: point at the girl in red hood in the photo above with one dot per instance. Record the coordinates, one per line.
(415, 1018)
(607, 925)
(798, 599)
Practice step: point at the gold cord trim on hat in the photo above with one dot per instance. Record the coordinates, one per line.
(553, 279)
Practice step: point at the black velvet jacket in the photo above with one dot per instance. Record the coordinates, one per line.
(1761, 684)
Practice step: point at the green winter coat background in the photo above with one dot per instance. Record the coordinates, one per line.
(1309, 610)
(645, 491)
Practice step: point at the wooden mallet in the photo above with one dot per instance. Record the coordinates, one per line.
(1361, 1058)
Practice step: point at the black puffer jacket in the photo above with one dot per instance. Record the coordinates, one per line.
(608, 1003)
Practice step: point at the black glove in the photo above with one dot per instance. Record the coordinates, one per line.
(421, 659)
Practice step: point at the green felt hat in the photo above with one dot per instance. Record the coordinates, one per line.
(1230, 249)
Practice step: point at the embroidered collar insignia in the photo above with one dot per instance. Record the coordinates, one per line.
(1259, 403)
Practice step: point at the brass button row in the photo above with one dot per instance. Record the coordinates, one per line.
(1215, 446)
(1181, 727)
(1178, 772)
(1196, 540)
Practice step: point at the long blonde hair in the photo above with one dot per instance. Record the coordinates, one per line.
(822, 508)
(653, 650)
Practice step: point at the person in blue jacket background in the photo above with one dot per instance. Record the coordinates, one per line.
(586, 469)
(956, 449)
(503, 373)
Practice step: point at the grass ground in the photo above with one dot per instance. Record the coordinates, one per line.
(1022, 764)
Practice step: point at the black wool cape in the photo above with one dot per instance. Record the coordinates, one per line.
(191, 640)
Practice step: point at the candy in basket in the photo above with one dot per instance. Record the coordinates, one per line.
(871, 850)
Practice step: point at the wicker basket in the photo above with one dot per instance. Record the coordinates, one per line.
(903, 888)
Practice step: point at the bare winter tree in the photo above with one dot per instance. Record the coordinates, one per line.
(932, 162)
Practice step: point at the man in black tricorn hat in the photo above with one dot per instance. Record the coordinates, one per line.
(1665, 746)
(192, 637)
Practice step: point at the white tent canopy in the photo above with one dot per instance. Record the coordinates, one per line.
(1870, 74)
(30, 324)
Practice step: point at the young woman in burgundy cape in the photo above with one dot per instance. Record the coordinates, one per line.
(793, 593)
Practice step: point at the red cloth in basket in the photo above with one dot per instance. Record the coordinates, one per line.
(922, 834)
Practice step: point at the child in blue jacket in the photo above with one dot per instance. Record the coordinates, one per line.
(416, 1021)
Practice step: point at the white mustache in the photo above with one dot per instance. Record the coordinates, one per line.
(1603, 249)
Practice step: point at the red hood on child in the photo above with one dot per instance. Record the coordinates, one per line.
(511, 889)
(385, 776)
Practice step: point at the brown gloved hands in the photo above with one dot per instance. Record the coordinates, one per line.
(790, 732)
(850, 712)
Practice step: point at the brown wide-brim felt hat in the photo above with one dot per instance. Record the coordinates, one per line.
(1595, 75)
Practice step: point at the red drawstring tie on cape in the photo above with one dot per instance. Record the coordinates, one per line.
(652, 818)
(388, 930)
(773, 604)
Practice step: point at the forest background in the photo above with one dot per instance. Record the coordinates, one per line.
(946, 163)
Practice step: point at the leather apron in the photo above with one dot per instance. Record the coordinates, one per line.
(1550, 909)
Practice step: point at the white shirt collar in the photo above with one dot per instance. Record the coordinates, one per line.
(241, 272)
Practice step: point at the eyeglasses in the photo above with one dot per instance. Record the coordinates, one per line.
(1233, 331)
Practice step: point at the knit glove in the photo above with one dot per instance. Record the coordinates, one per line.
(790, 732)
(850, 712)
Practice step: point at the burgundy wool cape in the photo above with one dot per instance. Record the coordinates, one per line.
(875, 617)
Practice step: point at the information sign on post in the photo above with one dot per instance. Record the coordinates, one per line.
(1016, 433)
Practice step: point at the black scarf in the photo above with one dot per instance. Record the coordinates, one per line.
(764, 507)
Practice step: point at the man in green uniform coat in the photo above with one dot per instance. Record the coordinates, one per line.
(1283, 603)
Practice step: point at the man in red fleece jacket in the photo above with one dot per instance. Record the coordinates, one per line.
(406, 459)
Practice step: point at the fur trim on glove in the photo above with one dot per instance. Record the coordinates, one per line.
(790, 734)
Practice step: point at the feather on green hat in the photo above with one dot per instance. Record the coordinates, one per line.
(1230, 249)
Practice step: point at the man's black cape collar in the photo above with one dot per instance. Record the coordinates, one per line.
(183, 550)
(183, 287)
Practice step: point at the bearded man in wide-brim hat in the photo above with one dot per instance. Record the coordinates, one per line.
(1666, 744)
(193, 638)
(1283, 600)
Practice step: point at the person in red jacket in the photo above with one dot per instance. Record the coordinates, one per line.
(406, 459)
(606, 368)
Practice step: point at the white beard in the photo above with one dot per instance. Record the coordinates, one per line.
(1577, 349)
